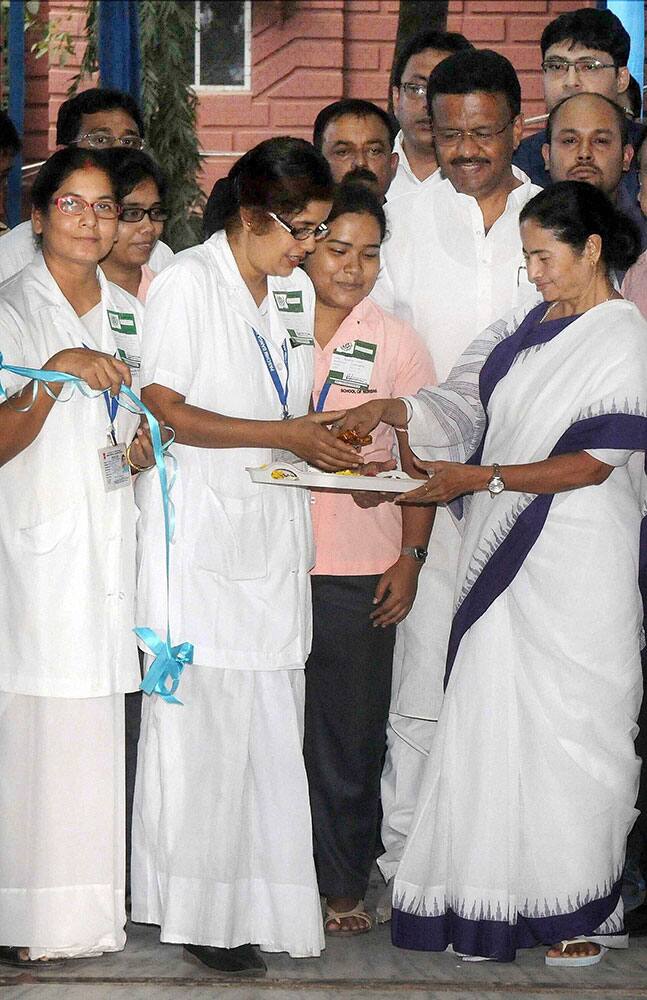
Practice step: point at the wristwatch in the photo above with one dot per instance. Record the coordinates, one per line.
(496, 484)
(416, 552)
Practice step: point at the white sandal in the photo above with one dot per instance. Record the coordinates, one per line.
(575, 961)
(338, 915)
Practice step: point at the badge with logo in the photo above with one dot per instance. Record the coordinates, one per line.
(289, 302)
(352, 364)
(300, 338)
(124, 329)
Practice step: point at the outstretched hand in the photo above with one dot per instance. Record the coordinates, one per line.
(447, 480)
(310, 439)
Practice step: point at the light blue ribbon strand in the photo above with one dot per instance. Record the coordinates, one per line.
(163, 676)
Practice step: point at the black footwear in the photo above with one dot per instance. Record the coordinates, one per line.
(11, 956)
(245, 960)
(636, 921)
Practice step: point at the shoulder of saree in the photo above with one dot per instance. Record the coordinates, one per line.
(448, 419)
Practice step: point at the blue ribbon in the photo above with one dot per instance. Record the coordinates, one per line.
(281, 390)
(323, 396)
(163, 675)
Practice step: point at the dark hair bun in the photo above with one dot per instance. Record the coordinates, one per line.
(575, 210)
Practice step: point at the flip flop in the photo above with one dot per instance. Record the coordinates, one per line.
(575, 961)
(11, 956)
(357, 911)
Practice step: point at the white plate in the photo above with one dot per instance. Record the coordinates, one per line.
(384, 482)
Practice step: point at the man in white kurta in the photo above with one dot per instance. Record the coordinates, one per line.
(452, 265)
(222, 845)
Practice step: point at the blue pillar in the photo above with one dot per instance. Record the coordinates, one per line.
(632, 15)
(119, 63)
(16, 109)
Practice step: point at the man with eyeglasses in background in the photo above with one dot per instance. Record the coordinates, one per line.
(583, 51)
(452, 265)
(96, 119)
(414, 146)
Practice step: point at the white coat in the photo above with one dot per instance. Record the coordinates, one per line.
(19, 249)
(241, 552)
(67, 547)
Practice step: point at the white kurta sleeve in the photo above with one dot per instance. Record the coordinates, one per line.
(175, 313)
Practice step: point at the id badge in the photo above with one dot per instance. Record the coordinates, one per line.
(352, 364)
(114, 467)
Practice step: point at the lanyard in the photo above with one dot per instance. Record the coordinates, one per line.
(163, 675)
(281, 390)
(323, 396)
(112, 405)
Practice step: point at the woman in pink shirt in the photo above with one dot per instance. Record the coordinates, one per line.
(365, 577)
(141, 191)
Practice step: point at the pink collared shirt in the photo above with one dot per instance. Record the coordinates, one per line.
(351, 541)
(144, 284)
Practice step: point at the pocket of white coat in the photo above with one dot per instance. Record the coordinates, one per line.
(43, 538)
(231, 536)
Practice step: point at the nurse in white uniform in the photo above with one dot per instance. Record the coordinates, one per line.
(222, 845)
(67, 545)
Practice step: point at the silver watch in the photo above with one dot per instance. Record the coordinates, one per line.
(496, 484)
(416, 552)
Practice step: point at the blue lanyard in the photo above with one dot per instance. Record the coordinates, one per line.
(163, 675)
(323, 396)
(112, 405)
(281, 390)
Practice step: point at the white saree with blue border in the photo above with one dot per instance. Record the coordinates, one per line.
(528, 796)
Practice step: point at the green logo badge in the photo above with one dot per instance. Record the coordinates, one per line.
(289, 302)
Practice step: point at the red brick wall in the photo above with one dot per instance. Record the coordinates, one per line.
(325, 49)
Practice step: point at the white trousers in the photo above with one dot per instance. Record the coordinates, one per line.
(62, 825)
(408, 742)
(222, 839)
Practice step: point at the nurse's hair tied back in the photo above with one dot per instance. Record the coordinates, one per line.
(279, 175)
(357, 198)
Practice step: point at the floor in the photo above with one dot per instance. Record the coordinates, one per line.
(367, 967)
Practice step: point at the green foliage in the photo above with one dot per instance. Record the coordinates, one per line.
(168, 105)
(48, 39)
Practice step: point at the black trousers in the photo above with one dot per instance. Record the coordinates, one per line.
(348, 690)
(133, 708)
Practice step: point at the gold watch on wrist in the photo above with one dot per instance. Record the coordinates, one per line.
(496, 483)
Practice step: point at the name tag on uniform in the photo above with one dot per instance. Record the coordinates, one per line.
(289, 302)
(352, 364)
(300, 338)
(114, 467)
(124, 329)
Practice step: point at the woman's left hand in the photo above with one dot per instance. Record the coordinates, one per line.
(447, 480)
(395, 592)
(141, 448)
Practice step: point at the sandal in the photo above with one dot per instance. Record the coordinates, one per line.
(11, 956)
(338, 915)
(574, 961)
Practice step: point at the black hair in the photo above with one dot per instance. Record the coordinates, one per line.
(9, 138)
(635, 95)
(356, 108)
(575, 210)
(89, 102)
(441, 41)
(130, 167)
(278, 175)
(621, 118)
(592, 29)
(475, 70)
(59, 166)
(356, 198)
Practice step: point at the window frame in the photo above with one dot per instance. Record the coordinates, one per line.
(224, 88)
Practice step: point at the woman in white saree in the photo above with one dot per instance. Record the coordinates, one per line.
(520, 830)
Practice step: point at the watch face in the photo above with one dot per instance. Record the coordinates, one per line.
(496, 485)
(420, 553)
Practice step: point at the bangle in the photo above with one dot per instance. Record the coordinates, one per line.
(135, 468)
(409, 409)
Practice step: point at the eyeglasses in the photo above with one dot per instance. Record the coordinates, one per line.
(70, 204)
(301, 232)
(416, 91)
(106, 140)
(583, 67)
(451, 136)
(133, 213)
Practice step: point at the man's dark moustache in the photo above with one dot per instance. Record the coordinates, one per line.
(360, 174)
